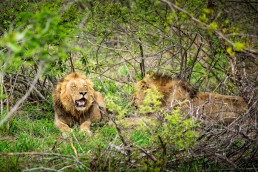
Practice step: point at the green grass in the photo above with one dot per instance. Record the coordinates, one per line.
(141, 138)
(33, 130)
(37, 144)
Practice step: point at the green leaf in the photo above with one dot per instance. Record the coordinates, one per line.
(203, 18)
(238, 46)
(230, 51)
(206, 10)
(123, 71)
(214, 25)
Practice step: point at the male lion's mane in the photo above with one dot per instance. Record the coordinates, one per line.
(204, 105)
(66, 114)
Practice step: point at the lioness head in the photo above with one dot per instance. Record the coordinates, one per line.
(171, 89)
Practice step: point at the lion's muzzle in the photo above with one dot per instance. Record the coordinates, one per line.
(80, 104)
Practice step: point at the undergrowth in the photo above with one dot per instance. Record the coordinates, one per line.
(30, 141)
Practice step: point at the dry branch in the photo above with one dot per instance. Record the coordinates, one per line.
(248, 51)
(20, 101)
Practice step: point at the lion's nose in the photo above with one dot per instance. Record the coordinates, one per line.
(83, 92)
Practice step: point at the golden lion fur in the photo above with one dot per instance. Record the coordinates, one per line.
(203, 105)
(76, 102)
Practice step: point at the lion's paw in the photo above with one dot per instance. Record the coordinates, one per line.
(86, 132)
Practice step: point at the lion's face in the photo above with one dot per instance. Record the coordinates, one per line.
(80, 93)
(170, 89)
(76, 102)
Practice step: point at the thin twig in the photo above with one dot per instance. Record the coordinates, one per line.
(122, 138)
(71, 62)
(74, 149)
(65, 167)
(35, 153)
(152, 157)
(39, 169)
(249, 51)
(2, 91)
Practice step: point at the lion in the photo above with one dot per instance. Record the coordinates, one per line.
(76, 102)
(210, 107)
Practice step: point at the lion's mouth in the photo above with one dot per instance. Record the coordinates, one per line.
(80, 102)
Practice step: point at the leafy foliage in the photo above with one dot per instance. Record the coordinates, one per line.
(180, 131)
(152, 101)
(175, 130)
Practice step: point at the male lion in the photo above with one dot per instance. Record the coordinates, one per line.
(204, 105)
(76, 102)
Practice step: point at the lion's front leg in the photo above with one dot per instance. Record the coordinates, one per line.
(95, 114)
(85, 126)
(63, 127)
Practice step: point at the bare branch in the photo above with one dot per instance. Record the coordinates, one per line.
(36, 153)
(20, 101)
(250, 52)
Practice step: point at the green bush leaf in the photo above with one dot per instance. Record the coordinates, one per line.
(214, 25)
(238, 46)
(230, 51)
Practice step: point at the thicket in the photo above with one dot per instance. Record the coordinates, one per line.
(211, 44)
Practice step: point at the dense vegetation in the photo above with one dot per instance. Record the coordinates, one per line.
(210, 44)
